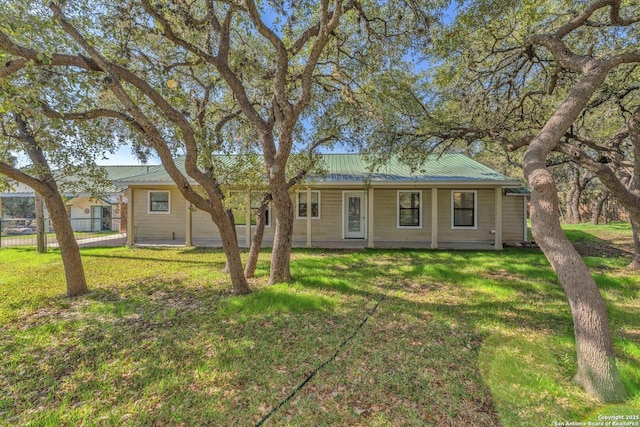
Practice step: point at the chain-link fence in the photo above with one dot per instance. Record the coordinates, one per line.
(88, 232)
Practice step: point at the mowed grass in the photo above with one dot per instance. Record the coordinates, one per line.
(458, 338)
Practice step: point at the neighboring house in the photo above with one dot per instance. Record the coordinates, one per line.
(89, 213)
(450, 201)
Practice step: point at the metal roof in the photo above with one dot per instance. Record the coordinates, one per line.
(114, 174)
(347, 169)
(355, 168)
(435, 169)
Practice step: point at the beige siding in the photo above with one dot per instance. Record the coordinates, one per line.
(485, 217)
(204, 228)
(329, 225)
(513, 218)
(158, 225)
(385, 219)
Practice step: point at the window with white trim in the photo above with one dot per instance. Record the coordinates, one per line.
(464, 209)
(159, 202)
(303, 206)
(409, 209)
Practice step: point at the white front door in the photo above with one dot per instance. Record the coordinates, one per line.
(354, 215)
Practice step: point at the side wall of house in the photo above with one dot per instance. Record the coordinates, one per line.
(513, 219)
(165, 226)
(326, 228)
(485, 221)
(385, 217)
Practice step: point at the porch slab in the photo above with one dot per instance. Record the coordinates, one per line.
(327, 244)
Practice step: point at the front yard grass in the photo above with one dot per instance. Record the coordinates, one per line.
(458, 338)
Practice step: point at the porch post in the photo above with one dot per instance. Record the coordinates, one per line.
(370, 237)
(434, 218)
(309, 217)
(247, 221)
(188, 241)
(130, 228)
(524, 216)
(498, 225)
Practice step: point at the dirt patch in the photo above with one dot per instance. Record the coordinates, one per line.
(609, 248)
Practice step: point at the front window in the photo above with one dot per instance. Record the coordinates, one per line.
(159, 201)
(304, 206)
(409, 207)
(464, 209)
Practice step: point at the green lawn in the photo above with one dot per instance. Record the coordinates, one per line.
(458, 338)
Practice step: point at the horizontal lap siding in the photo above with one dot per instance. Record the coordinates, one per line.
(485, 217)
(203, 227)
(329, 225)
(513, 218)
(158, 225)
(385, 217)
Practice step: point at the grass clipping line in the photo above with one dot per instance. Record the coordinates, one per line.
(322, 365)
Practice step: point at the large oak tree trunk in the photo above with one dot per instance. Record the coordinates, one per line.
(597, 371)
(281, 252)
(233, 265)
(73, 267)
(47, 188)
(634, 187)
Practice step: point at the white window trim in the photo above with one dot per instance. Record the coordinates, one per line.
(149, 211)
(298, 204)
(404, 227)
(475, 210)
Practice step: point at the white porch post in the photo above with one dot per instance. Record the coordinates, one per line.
(188, 241)
(524, 216)
(434, 218)
(370, 228)
(130, 220)
(309, 217)
(247, 221)
(498, 225)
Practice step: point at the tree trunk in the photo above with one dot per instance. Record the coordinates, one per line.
(232, 220)
(597, 207)
(573, 197)
(48, 189)
(634, 187)
(233, 265)
(597, 371)
(281, 252)
(71, 259)
(41, 243)
(256, 239)
(635, 227)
